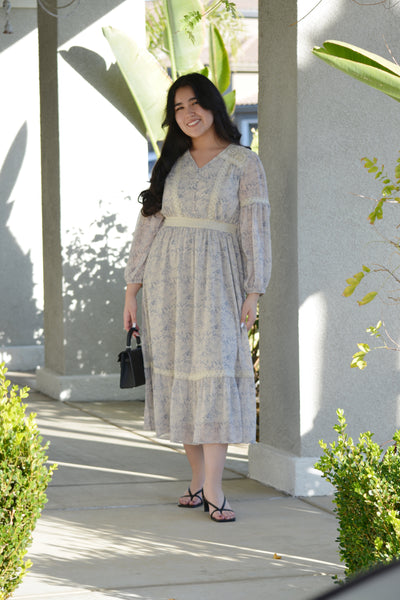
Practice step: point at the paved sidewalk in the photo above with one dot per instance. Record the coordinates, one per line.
(111, 529)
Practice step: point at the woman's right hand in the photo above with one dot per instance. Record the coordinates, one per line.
(130, 309)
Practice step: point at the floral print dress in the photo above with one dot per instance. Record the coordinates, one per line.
(198, 259)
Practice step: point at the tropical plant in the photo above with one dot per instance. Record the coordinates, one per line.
(366, 478)
(148, 81)
(372, 69)
(221, 13)
(384, 76)
(24, 478)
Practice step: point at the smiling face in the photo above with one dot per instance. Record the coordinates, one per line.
(193, 119)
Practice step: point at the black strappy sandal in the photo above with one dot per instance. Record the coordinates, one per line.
(191, 496)
(207, 505)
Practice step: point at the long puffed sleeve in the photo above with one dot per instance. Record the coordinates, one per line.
(145, 232)
(255, 234)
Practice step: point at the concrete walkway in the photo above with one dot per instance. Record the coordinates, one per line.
(111, 529)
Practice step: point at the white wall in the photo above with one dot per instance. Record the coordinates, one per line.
(315, 125)
(103, 167)
(21, 293)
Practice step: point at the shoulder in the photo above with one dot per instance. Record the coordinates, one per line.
(241, 156)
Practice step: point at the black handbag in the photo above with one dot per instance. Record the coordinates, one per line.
(132, 367)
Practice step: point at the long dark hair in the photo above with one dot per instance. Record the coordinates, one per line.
(176, 142)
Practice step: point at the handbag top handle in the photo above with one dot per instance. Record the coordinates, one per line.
(129, 338)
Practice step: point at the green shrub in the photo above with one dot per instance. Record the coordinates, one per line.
(23, 482)
(367, 497)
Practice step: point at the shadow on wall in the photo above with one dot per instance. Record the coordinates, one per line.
(20, 321)
(108, 82)
(24, 21)
(94, 262)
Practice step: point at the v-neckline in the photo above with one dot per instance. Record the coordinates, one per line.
(211, 160)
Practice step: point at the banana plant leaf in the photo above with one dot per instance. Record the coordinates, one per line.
(219, 61)
(230, 101)
(184, 49)
(365, 66)
(107, 81)
(146, 79)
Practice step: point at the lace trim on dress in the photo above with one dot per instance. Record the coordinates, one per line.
(177, 203)
(200, 224)
(199, 375)
(214, 196)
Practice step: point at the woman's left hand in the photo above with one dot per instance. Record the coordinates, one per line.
(249, 311)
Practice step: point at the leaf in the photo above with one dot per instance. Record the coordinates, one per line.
(377, 213)
(358, 361)
(367, 299)
(184, 50)
(362, 65)
(219, 61)
(146, 79)
(388, 190)
(375, 330)
(230, 101)
(364, 348)
(108, 82)
(356, 54)
(368, 163)
(353, 283)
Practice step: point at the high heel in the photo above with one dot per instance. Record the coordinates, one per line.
(207, 505)
(191, 496)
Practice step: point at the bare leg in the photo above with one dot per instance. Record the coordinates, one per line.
(195, 457)
(214, 461)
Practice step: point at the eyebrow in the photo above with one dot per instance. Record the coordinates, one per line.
(180, 103)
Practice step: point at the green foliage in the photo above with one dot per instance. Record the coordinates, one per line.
(139, 68)
(23, 482)
(254, 333)
(223, 15)
(175, 42)
(388, 343)
(255, 140)
(390, 194)
(354, 281)
(384, 76)
(391, 190)
(367, 497)
(254, 341)
(365, 66)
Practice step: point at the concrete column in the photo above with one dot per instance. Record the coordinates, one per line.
(94, 164)
(21, 297)
(315, 126)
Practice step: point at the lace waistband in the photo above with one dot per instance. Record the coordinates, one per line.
(200, 224)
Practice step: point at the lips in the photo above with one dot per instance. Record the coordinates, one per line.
(193, 123)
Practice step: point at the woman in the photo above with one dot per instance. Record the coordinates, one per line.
(201, 250)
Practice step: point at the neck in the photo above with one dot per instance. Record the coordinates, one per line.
(209, 141)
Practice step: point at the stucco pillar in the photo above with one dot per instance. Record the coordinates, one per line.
(94, 164)
(315, 125)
